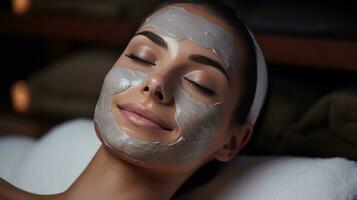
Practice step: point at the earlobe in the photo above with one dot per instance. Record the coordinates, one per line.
(235, 143)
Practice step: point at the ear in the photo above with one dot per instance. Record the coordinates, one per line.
(240, 137)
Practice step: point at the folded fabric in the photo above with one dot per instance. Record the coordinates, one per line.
(329, 128)
(281, 178)
(13, 150)
(51, 164)
(81, 74)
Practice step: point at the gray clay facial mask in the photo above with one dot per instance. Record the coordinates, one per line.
(197, 124)
(178, 23)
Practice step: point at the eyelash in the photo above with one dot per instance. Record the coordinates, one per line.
(203, 89)
(138, 59)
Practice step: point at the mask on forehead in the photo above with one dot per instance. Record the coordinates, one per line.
(178, 23)
(197, 124)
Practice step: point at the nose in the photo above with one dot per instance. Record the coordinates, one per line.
(155, 87)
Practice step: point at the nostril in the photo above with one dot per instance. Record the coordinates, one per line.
(146, 89)
(159, 95)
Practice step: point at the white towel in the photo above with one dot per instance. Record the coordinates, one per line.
(51, 164)
(282, 178)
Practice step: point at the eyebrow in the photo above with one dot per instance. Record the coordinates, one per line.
(210, 62)
(194, 57)
(154, 38)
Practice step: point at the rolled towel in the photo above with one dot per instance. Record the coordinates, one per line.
(282, 178)
(54, 162)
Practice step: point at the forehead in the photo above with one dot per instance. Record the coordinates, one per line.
(179, 23)
(206, 13)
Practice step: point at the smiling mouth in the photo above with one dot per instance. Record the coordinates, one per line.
(143, 118)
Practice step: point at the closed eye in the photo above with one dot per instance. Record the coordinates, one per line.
(202, 88)
(139, 59)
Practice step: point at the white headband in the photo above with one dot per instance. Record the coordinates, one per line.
(262, 84)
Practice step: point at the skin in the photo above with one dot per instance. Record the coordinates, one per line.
(109, 175)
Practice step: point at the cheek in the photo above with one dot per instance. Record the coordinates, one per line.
(197, 122)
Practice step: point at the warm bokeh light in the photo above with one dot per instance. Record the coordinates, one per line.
(20, 7)
(20, 96)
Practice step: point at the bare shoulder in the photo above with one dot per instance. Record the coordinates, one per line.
(10, 192)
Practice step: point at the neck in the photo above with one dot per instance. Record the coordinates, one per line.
(108, 177)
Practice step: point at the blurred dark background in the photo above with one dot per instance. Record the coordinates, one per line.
(55, 54)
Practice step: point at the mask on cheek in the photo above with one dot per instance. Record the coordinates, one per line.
(196, 122)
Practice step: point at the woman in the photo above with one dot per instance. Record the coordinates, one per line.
(187, 90)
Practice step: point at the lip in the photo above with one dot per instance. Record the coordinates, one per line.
(142, 117)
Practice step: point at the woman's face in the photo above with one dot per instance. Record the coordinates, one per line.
(174, 98)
